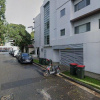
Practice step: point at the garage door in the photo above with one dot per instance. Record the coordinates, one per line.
(71, 56)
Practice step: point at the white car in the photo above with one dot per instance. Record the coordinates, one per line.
(15, 53)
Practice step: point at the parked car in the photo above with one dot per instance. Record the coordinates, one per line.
(12, 53)
(16, 52)
(25, 58)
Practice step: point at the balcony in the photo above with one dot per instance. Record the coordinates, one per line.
(89, 10)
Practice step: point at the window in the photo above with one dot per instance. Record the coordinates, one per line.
(62, 12)
(82, 28)
(62, 32)
(82, 4)
(47, 40)
(47, 24)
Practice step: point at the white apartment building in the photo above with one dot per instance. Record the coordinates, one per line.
(68, 31)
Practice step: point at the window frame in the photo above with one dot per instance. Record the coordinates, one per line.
(62, 13)
(76, 29)
(76, 6)
(61, 32)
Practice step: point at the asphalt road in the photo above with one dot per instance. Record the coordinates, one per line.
(26, 82)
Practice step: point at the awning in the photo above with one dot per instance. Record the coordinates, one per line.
(69, 46)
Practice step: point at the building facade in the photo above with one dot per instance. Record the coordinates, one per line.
(69, 32)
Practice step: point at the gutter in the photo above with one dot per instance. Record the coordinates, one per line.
(73, 80)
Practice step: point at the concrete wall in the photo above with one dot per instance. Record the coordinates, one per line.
(37, 33)
(90, 40)
(92, 57)
(94, 4)
(71, 38)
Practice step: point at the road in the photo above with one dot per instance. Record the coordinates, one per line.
(26, 82)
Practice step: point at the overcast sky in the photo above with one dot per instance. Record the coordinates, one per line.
(22, 11)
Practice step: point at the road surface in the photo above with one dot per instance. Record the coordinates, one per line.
(26, 82)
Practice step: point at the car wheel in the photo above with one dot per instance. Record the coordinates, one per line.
(18, 61)
(21, 62)
(32, 62)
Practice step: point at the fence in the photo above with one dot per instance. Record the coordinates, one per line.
(5, 48)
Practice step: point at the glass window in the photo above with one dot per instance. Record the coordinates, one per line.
(25, 54)
(76, 30)
(88, 26)
(81, 4)
(62, 32)
(87, 2)
(45, 40)
(62, 12)
(48, 39)
(82, 28)
(48, 25)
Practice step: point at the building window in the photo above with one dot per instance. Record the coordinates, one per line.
(62, 12)
(82, 28)
(47, 40)
(62, 32)
(82, 4)
(47, 24)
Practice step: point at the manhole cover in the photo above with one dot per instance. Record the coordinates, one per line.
(7, 97)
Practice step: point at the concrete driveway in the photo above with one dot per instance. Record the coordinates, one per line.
(26, 82)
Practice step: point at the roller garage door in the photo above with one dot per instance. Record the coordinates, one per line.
(71, 56)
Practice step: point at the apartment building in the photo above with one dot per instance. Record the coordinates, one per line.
(69, 31)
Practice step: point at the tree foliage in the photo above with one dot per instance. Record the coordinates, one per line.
(18, 33)
(2, 19)
(2, 11)
(32, 35)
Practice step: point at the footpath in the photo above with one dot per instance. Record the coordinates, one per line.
(69, 77)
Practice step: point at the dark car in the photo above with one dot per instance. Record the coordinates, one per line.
(25, 58)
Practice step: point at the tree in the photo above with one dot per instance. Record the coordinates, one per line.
(2, 11)
(32, 35)
(2, 20)
(18, 33)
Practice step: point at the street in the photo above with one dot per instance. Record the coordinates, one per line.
(26, 82)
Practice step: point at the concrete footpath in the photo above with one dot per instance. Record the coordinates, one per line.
(97, 91)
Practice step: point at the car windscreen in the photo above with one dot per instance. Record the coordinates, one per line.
(25, 55)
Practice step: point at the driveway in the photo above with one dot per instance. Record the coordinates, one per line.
(26, 82)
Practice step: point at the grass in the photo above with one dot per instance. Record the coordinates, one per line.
(36, 61)
(87, 80)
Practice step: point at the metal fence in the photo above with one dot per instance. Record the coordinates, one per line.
(5, 48)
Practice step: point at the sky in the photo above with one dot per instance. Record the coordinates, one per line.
(22, 11)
